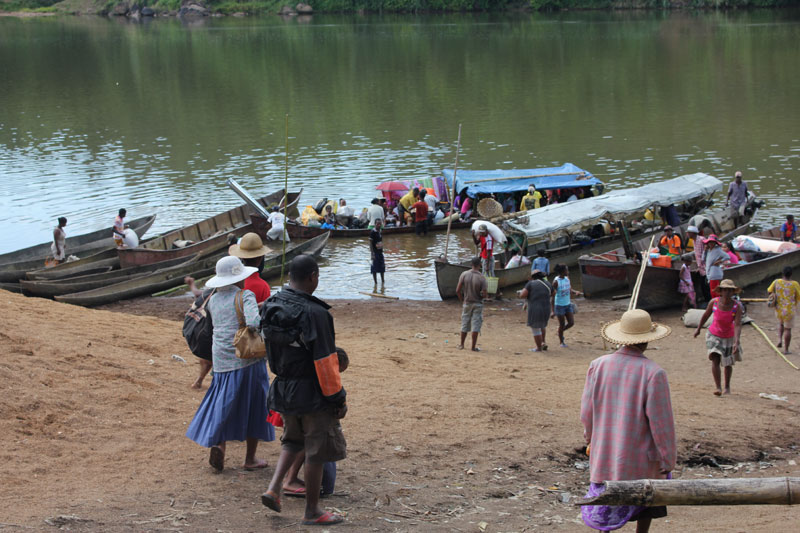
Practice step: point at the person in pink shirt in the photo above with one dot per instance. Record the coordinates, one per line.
(722, 337)
(627, 418)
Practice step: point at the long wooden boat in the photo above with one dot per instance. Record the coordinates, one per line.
(84, 266)
(10, 287)
(14, 265)
(312, 247)
(51, 288)
(298, 231)
(605, 273)
(660, 284)
(207, 236)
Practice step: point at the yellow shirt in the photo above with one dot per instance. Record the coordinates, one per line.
(531, 198)
(787, 294)
(690, 245)
(408, 200)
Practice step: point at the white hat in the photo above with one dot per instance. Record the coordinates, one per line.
(692, 229)
(230, 270)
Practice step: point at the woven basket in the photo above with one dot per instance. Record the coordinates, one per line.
(489, 208)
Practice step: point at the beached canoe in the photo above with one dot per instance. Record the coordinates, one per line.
(207, 236)
(14, 265)
(10, 287)
(312, 247)
(84, 266)
(605, 273)
(298, 231)
(51, 288)
(660, 285)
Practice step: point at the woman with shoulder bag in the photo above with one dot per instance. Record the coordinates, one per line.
(235, 405)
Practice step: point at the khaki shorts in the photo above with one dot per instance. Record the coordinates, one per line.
(471, 318)
(320, 434)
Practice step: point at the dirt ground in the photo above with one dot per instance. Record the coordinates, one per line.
(94, 408)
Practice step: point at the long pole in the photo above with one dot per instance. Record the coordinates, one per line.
(640, 277)
(452, 198)
(286, 198)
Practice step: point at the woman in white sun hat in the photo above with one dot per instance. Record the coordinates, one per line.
(235, 405)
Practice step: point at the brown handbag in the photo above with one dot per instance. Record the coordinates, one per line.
(247, 341)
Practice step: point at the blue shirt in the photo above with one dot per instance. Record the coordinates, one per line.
(562, 291)
(541, 263)
(226, 324)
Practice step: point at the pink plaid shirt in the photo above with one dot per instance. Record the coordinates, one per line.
(627, 417)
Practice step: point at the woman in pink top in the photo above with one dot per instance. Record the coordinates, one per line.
(722, 339)
(727, 249)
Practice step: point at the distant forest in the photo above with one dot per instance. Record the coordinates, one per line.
(385, 6)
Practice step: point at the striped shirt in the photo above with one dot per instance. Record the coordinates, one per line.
(627, 418)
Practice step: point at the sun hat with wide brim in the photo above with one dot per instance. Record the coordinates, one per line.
(230, 270)
(635, 327)
(729, 284)
(712, 238)
(250, 246)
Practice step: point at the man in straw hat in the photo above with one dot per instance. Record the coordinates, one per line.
(251, 250)
(627, 418)
(722, 338)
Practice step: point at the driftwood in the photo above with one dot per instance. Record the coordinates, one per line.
(731, 491)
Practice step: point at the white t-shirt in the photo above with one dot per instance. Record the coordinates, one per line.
(276, 218)
(374, 212)
(345, 211)
(431, 201)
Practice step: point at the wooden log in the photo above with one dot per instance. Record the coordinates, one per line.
(378, 295)
(730, 491)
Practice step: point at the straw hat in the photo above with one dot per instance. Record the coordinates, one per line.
(635, 327)
(230, 270)
(729, 284)
(250, 246)
(489, 208)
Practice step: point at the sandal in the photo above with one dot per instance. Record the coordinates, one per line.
(325, 519)
(544, 347)
(271, 500)
(296, 493)
(217, 458)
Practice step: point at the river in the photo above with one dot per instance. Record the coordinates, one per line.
(98, 114)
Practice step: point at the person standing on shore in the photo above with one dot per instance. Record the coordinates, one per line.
(59, 246)
(700, 258)
(538, 292)
(541, 262)
(627, 419)
(685, 284)
(235, 405)
(561, 304)
(378, 265)
(786, 294)
(485, 243)
(251, 250)
(307, 390)
(118, 231)
(737, 197)
(471, 290)
(722, 337)
(715, 257)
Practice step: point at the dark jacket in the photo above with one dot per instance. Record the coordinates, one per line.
(301, 351)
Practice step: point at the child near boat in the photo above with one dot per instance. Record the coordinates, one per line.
(685, 285)
(562, 307)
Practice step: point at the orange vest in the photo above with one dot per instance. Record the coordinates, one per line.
(672, 245)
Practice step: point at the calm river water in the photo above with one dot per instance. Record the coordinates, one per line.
(97, 114)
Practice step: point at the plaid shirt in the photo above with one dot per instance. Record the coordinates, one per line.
(627, 418)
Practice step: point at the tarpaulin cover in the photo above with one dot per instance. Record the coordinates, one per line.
(567, 176)
(558, 219)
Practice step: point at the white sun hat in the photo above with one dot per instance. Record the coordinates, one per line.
(230, 270)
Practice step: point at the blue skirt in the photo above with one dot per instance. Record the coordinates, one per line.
(234, 408)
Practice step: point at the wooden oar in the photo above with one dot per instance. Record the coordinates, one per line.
(453, 199)
(378, 295)
(639, 278)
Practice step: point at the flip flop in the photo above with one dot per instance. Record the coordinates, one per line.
(326, 519)
(216, 458)
(544, 347)
(717, 393)
(476, 349)
(271, 500)
(295, 493)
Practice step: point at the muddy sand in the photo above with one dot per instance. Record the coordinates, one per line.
(94, 408)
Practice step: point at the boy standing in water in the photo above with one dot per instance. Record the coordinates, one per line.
(376, 251)
(561, 305)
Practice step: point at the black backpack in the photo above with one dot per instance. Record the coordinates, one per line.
(197, 328)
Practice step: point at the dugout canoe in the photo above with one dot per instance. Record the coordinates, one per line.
(312, 247)
(660, 284)
(208, 236)
(51, 288)
(11, 287)
(84, 266)
(298, 231)
(605, 273)
(14, 265)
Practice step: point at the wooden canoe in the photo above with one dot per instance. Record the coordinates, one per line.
(298, 231)
(14, 265)
(604, 273)
(10, 287)
(209, 235)
(660, 285)
(51, 288)
(144, 285)
(447, 275)
(83, 266)
(312, 247)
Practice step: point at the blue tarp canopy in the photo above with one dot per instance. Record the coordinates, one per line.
(567, 176)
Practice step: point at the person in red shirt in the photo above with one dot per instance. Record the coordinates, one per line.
(251, 250)
(420, 210)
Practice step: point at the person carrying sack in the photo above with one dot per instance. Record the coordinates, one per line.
(235, 405)
(198, 332)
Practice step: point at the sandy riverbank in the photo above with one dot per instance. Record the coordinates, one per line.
(94, 409)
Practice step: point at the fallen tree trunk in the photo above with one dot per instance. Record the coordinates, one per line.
(731, 491)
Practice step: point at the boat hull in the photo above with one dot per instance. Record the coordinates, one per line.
(298, 231)
(447, 275)
(33, 258)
